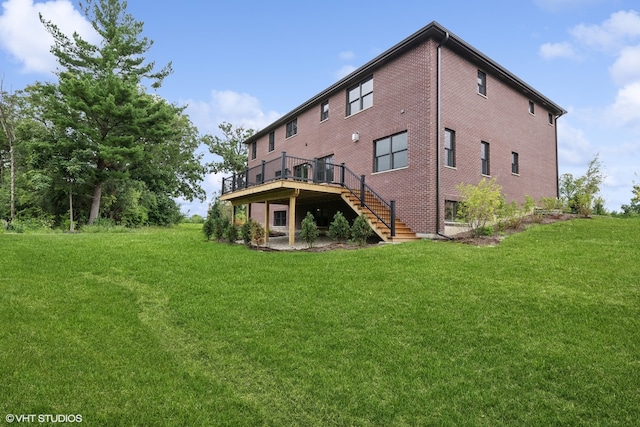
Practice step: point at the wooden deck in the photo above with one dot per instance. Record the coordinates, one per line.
(291, 192)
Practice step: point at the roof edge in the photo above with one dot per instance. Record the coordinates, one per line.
(435, 31)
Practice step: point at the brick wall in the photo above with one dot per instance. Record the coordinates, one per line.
(405, 100)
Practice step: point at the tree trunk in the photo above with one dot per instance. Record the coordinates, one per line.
(95, 203)
(71, 227)
(13, 180)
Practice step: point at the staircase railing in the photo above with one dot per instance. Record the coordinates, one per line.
(317, 171)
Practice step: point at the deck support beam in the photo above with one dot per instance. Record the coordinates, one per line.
(266, 222)
(292, 217)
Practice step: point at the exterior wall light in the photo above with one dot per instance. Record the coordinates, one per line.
(355, 137)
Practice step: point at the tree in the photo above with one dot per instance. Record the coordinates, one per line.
(101, 114)
(580, 194)
(480, 204)
(633, 208)
(7, 122)
(309, 231)
(232, 148)
(360, 230)
(339, 228)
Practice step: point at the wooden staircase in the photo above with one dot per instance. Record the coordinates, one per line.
(403, 232)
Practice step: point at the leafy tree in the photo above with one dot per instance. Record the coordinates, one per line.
(360, 230)
(633, 208)
(339, 229)
(580, 194)
(309, 232)
(480, 204)
(102, 117)
(232, 148)
(7, 123)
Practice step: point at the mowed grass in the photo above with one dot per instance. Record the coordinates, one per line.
(158, 327)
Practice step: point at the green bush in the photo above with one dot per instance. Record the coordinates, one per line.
(252, 232)
(339, 229)
(481, 203)
(360, 230)
(231, 233)
(309, 232)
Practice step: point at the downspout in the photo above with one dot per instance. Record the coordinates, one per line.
(439, 131)
(557, 166)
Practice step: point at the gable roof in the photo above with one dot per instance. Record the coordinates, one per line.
(433, 31)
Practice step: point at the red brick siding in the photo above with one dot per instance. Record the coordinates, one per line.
(404, 99)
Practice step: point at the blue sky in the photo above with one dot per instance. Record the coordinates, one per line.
(248, 62)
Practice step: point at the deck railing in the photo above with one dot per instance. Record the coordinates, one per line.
(316, 171)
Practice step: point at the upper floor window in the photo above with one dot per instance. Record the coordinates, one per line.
(532, 107)
(484, 158)
(482, 83)
(515, 163)
(272, 141)
(292, 127)
(254, 150)
(450, 148)
(550, 119)
(360, 97)
(324, 111)
(391, 153)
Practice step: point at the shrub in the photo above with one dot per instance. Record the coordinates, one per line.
(257, 233)
(231, 233)
(480, 203)
(309, 232)
(360, 231)
(339, 229)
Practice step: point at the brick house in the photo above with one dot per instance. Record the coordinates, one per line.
(394, 138)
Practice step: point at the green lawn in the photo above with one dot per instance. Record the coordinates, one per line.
(158, 327)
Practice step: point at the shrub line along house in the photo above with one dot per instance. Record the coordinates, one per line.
(394, 139)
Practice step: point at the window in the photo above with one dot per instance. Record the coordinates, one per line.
(484, 156)
(482, 83)
(325, 169)
(272, 141)
(360, 97)
(532, 107)
(279, 218)
(292, 127)
(450, 210)
(301, 172)
(515, 164)
(254, 150)
(391, 153)
(324, 111)
(550, 119)
(450, 148)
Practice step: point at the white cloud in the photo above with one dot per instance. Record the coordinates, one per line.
(626, 69)
(24, 37)
(573, 146)
(239, 109)
(345, 71)
(347, 55)
(558, 50)
(621, 28)
(626, 108)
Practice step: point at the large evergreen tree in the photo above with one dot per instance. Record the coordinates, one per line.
(105, 127)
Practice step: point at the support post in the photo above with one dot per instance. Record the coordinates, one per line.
(393, 218)
(266, 222)
(246, 178)
(292, 220)
(283, 168)
(316, 172)
(362, 192)
(342, 174)
(262, 173)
